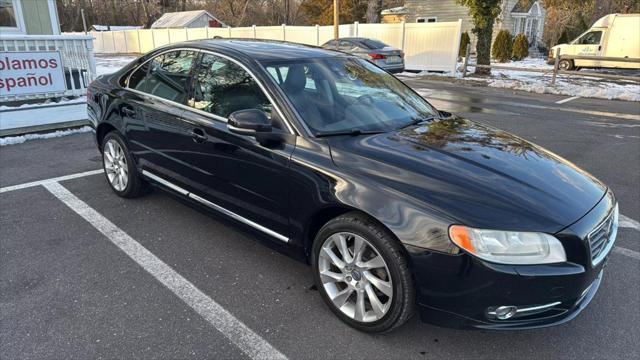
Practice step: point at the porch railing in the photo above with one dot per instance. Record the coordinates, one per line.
(76, 52)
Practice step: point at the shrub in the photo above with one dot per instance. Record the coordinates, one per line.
(520, 47)
(464, 41)
(501, 49)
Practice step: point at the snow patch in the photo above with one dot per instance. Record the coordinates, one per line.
(12, 140)
(583, 86)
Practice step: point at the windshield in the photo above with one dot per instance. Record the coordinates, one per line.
(348, 94)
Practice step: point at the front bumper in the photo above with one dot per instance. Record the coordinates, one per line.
(462, 291)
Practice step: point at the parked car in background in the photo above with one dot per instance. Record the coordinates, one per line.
(379, 53)
(397, 206)
(614, 35)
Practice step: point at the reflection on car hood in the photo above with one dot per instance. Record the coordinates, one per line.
(481, 176)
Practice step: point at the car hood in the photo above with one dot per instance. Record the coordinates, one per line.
(478, 175)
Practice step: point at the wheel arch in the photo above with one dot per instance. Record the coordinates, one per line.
(326, 214)
(102, 130)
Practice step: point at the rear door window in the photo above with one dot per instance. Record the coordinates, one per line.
(168, 75)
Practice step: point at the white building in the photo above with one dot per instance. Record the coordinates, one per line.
(187, 19)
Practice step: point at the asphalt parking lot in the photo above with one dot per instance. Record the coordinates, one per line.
(85, 274)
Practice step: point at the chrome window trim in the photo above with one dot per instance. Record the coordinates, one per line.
(204, 113)
(214, 206)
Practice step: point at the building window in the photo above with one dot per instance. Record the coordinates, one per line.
(431, 19)
(7, 14)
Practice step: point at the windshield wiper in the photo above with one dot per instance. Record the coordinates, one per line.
(353, 132)
(418, 120)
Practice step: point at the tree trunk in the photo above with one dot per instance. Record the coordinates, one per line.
(483, 49)
(373, 11)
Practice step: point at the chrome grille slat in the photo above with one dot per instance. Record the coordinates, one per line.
(602, 237)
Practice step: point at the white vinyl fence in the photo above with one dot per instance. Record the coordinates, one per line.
(427, 46)
(76, 53)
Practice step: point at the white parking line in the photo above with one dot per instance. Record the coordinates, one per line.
(567, 100)
(235, 330)
(627, 222)
(46, 181)
(627, 252)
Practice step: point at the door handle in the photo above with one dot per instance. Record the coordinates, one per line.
(129, 112)
(198, 135)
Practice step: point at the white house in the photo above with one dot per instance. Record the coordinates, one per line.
(517, 16)
(187, 19)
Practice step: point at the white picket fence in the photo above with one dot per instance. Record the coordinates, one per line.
(427, 46)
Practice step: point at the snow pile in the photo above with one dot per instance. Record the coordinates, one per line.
(583, 85)
(12, 140)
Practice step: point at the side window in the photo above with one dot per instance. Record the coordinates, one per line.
(168, 75)
(222, 87)
(591, 38)
(137, 79)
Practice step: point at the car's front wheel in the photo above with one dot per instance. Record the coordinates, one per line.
(362, 274)
(119, 167)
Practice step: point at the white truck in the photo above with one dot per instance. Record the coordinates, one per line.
(614, 35)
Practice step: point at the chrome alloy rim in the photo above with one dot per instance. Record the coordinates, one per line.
(355, 277)
(115, 165)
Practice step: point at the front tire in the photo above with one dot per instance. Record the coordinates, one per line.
(119, 167)
(362, 274)
(565, 65)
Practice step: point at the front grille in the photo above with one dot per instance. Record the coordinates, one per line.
(602, 237)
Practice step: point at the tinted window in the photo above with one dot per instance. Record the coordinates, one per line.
(168, 75)
(222, 87)
(137, 79)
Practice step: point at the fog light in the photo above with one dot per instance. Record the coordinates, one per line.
(505, 312)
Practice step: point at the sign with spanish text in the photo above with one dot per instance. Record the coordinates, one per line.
(34, 72)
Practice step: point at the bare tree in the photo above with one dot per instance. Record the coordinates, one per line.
(374, 7)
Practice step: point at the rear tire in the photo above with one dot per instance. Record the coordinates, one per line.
(119, 167)
(370, 288)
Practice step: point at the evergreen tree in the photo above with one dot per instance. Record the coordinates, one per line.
(464, 41)
(520, 47)
(502, 46)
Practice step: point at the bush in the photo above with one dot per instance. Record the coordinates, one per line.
(502, 46)
(520, 47)
(464, 41)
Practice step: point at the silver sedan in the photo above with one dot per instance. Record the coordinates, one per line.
(379, 53)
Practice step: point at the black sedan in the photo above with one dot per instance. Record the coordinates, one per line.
(397, 206)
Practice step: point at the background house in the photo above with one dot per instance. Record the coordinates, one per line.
(113, 27)
(30, 17)
(187, 19)
(517, 16)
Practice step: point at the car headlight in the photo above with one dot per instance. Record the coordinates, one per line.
(508, 247)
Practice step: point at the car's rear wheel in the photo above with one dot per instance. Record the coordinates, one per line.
(119, 168)
(362, 274)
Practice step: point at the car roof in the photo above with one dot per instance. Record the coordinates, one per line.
(262, 50)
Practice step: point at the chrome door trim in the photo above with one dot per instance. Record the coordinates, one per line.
(213, 116)
(216, 207)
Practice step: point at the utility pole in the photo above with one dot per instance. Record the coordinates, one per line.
(84, 21)
(286, 12)
(336, 19)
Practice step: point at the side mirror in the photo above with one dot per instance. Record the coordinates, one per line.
(249, 122)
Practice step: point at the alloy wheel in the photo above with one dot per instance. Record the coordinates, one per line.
(355, 277)
(115, 165)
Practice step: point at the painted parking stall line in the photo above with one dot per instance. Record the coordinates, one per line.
(46, 181)
(567, 100)
(232, 328)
